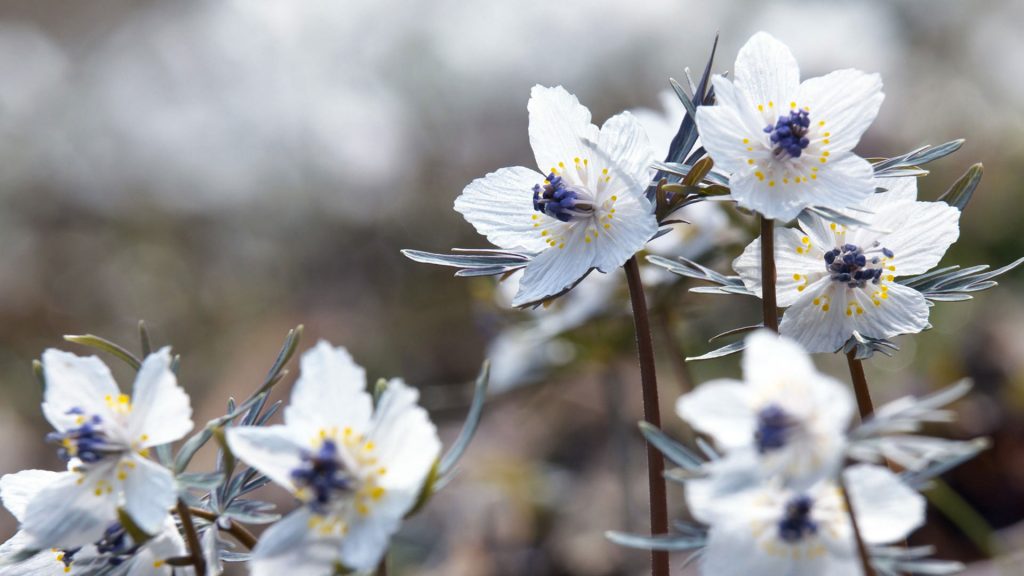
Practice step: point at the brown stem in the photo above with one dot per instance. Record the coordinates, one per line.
(862, 550)
(382, 568)
(243, 536)
(192, 538)
(652, 414)
(769, 310)
(860, 385)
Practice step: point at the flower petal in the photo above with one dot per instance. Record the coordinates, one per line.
(902, 310)
(721, 409)
(626, 151)
(273, 450)
(560, 128)
(845, 180)
(75, 383)
(843, 103)
(816, 320)
(799, 262)
(621, 237)
(149, 493)
(367, 541)
(887, 509)
(556, 269)
(730, 131)
(161, 412)
(753, 190)
(899, 191)
(331, 391)
(16, 490)
(921, 234)
(289, 547)
(406, 443)
(68, 513)
(768, 73)
(151, 558)
(771, 362)
(45, 563)
(500, 207)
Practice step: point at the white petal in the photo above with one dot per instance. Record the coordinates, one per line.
(727, 129)
(632, 225)
(721, 409)
(500, 206)
(769, 197)
(406, 443)
(903, 311)
(68, 513)
(845, 180)
(272, 450)
(161, 412)
(899, 191)
(331, 391)
(798, 264)
(16, 490)
(921, 234)
(768, 73)
(557, 269)
(75, 383)
(843, 103)
(150, 560)
(367, 541)
(45, 563)
(626, 150)
(887, 509)
(817, 320)
(289, 547)
(149, 492)
(770, 362)
(560, 128)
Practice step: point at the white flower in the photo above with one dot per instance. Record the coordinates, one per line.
(106, 437)
(114, 550)
(771, 530)
(585, 210)
(786, 144)
(836, 279)
(785, 417)
(357, 470)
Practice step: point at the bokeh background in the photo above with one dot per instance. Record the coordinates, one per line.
(228, 169)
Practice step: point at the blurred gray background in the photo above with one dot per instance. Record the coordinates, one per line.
(227, 170)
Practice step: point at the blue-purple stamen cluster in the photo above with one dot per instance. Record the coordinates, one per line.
(848, 264)
(790, 133)
(324, 473)
(561, 201)
(115, 545)
(796, 524)
(89, 443)
(773, 428)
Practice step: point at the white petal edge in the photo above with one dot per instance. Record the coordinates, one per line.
(18, 489)
(767, 73)
(273, 450)
(556, 270)
(74, 382)
(560, 127)
(161, 411)
(887, 509)
(721, 409)
(149, 493)
(331, 391)
(500, 207)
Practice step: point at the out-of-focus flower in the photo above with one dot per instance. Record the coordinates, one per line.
(785, 415)
(106, 436)
(115, 552)
(356, 469)
(773, 530)
(589, 210)
(836, 279)
(788, 145)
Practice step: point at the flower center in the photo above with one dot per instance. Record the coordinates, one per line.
(774, 428)
(561, 200)
(324, 473)
(796, 523)
(87, 442)
(789, 134)
(855, 267)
